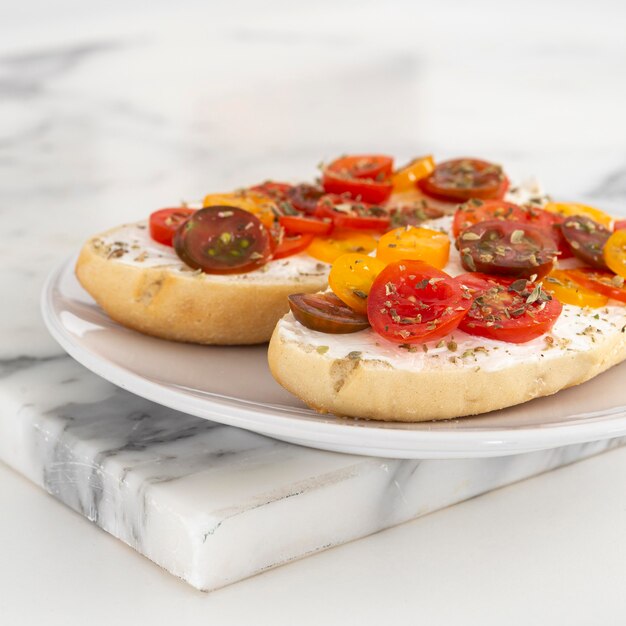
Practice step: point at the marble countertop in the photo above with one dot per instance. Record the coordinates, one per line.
(110, 112)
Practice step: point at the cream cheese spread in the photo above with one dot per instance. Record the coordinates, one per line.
(577, 330)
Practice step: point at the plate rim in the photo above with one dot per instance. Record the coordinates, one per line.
(326, 434)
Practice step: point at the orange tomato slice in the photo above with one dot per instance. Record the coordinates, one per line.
(404, 179)
(256, 203)
(615, 252)
(561, 285)
(351, 278)
(414, 243)
(568, 209)
(328, 249)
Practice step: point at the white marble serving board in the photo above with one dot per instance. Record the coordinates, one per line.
(213, 504)
(112, 112)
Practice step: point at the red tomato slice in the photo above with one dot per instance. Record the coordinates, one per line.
(460, 180)
(163, 223)
(370, 166)
(355, 222)
(223, 240)
(349, 214)
(277, 191)
(620, 225)
(606, 283)
(288, 245)
(411, 302)
(363, 177)
(358, 188)
(515, 311)
(297, 224)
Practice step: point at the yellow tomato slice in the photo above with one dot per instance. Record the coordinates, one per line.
(260, 205)
(414, 243)
(574, 208)
(404, 179)
(351, 278)
(615, 252)
(567, 291)
(328, 249)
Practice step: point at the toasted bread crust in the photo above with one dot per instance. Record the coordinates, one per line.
(375, 390)
(190, 308)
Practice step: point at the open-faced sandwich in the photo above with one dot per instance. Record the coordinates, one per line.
(510, 298)
(221, 273)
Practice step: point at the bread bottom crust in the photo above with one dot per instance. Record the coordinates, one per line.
(170, 305)
(375, 390)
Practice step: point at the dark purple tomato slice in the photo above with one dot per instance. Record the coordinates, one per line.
(412, 214)
(460, 180)
(305, 197)
(586, 239)
(326, 313)
(223, 240)
(507, 248)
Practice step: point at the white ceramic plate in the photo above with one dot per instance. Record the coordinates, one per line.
(233, 385)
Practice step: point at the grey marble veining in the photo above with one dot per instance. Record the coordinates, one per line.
(109, 112)
(211, 503)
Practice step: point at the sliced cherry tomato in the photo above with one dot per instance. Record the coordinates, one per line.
(328, 249)
(349, 214)
(355, 222)
(288, 245)
(417, 243)
(305, 225)
(411, 302)
(326, 313)
(258, 204)
(357, 188)
(163, 223)
(223, 240)
(362, 177)
(475, 211)
(460, 180)
(606, 283)
(351, 278)
(567, 291)
(305, 197)
(508, 248)
(569, 209)
(620, 225)
(587, 239)
(405, 179)
(279, 192)
(615, 253)
(367, 166)
(509, 310)
(413, 214)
